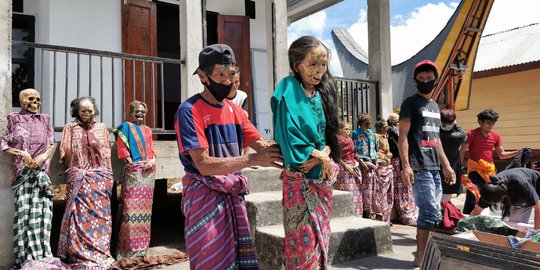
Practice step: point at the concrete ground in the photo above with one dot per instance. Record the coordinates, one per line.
(403, 240)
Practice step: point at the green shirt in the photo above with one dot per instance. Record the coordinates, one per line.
(299, 124)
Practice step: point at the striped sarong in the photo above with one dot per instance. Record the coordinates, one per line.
(137, 198)
(403, 196)
(85, 233)
(33, 215)
(383, 199)
(217, 230)
(368, 191)
(307, 205)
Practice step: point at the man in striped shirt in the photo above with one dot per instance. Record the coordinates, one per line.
(211, 132)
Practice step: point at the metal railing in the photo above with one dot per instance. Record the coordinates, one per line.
(65, 73)
(354, 98)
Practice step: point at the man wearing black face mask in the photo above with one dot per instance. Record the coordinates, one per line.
(211, 132)
(421, 152)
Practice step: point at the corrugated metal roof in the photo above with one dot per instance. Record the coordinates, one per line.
(508, 48)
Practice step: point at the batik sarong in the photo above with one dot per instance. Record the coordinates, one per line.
(33, 215)
(217, 230)
(403, 196)
(368, 191)
(85, 233)
(137, 198)
(307, 205)
(49, 263)
(383, 198)
(352, 183)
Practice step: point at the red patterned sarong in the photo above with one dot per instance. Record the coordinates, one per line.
(85, 234)
(352, 183)
(307, 205)
(383, 198)
(403, 196)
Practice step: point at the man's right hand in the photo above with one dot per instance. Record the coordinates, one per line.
(407, 175)
(268, 157)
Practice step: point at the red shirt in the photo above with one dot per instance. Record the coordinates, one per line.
(347, 148)
(480, 146)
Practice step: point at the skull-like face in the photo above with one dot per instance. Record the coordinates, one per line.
(138, 114)
(30, 100)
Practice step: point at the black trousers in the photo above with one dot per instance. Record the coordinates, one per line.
(470, 200)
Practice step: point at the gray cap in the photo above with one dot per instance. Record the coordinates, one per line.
(216, 54)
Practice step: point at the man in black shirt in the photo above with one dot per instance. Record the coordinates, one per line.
(421, 150)
(518, 189)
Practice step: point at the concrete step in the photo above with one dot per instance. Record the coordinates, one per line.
(265, 208)
(262, 179)
(352, 238)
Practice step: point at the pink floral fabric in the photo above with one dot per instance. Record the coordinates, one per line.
(352, 183)
(307, 205)
(403, 197)
(383, 199)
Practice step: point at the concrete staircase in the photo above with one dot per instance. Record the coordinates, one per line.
(352, 237)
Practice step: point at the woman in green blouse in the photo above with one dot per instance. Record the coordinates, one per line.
(305, 127)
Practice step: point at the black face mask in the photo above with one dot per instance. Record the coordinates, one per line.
(218, 90)
(425, 87)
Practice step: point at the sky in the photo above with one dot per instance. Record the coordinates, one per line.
(413, 23)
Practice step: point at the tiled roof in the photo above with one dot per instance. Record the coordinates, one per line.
(516, 46)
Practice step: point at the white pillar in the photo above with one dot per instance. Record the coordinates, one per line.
(380, 65)
(191, 43)
(6, 194)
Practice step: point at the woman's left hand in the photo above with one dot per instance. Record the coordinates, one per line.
(309, 164)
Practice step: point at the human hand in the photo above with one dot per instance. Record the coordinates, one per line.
(327, 173)
(449, 175)
(309, 164)
(39, 160)
(370, 165)
(150, 163)
(27, 158)
(351, 170)
(407, 175)
(323, 158)
(269, 156)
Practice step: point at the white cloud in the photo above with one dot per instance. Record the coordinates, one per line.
(410, 33)
(508, 14)
(314, 25)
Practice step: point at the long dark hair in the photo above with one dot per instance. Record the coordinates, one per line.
(496, 192)
(327, 89)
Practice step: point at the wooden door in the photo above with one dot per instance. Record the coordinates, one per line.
(139, 37)
(234, 31)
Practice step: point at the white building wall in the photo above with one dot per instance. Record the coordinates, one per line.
(92, 25)
(259, 61)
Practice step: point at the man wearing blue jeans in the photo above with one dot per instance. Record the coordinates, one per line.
(421, 150)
